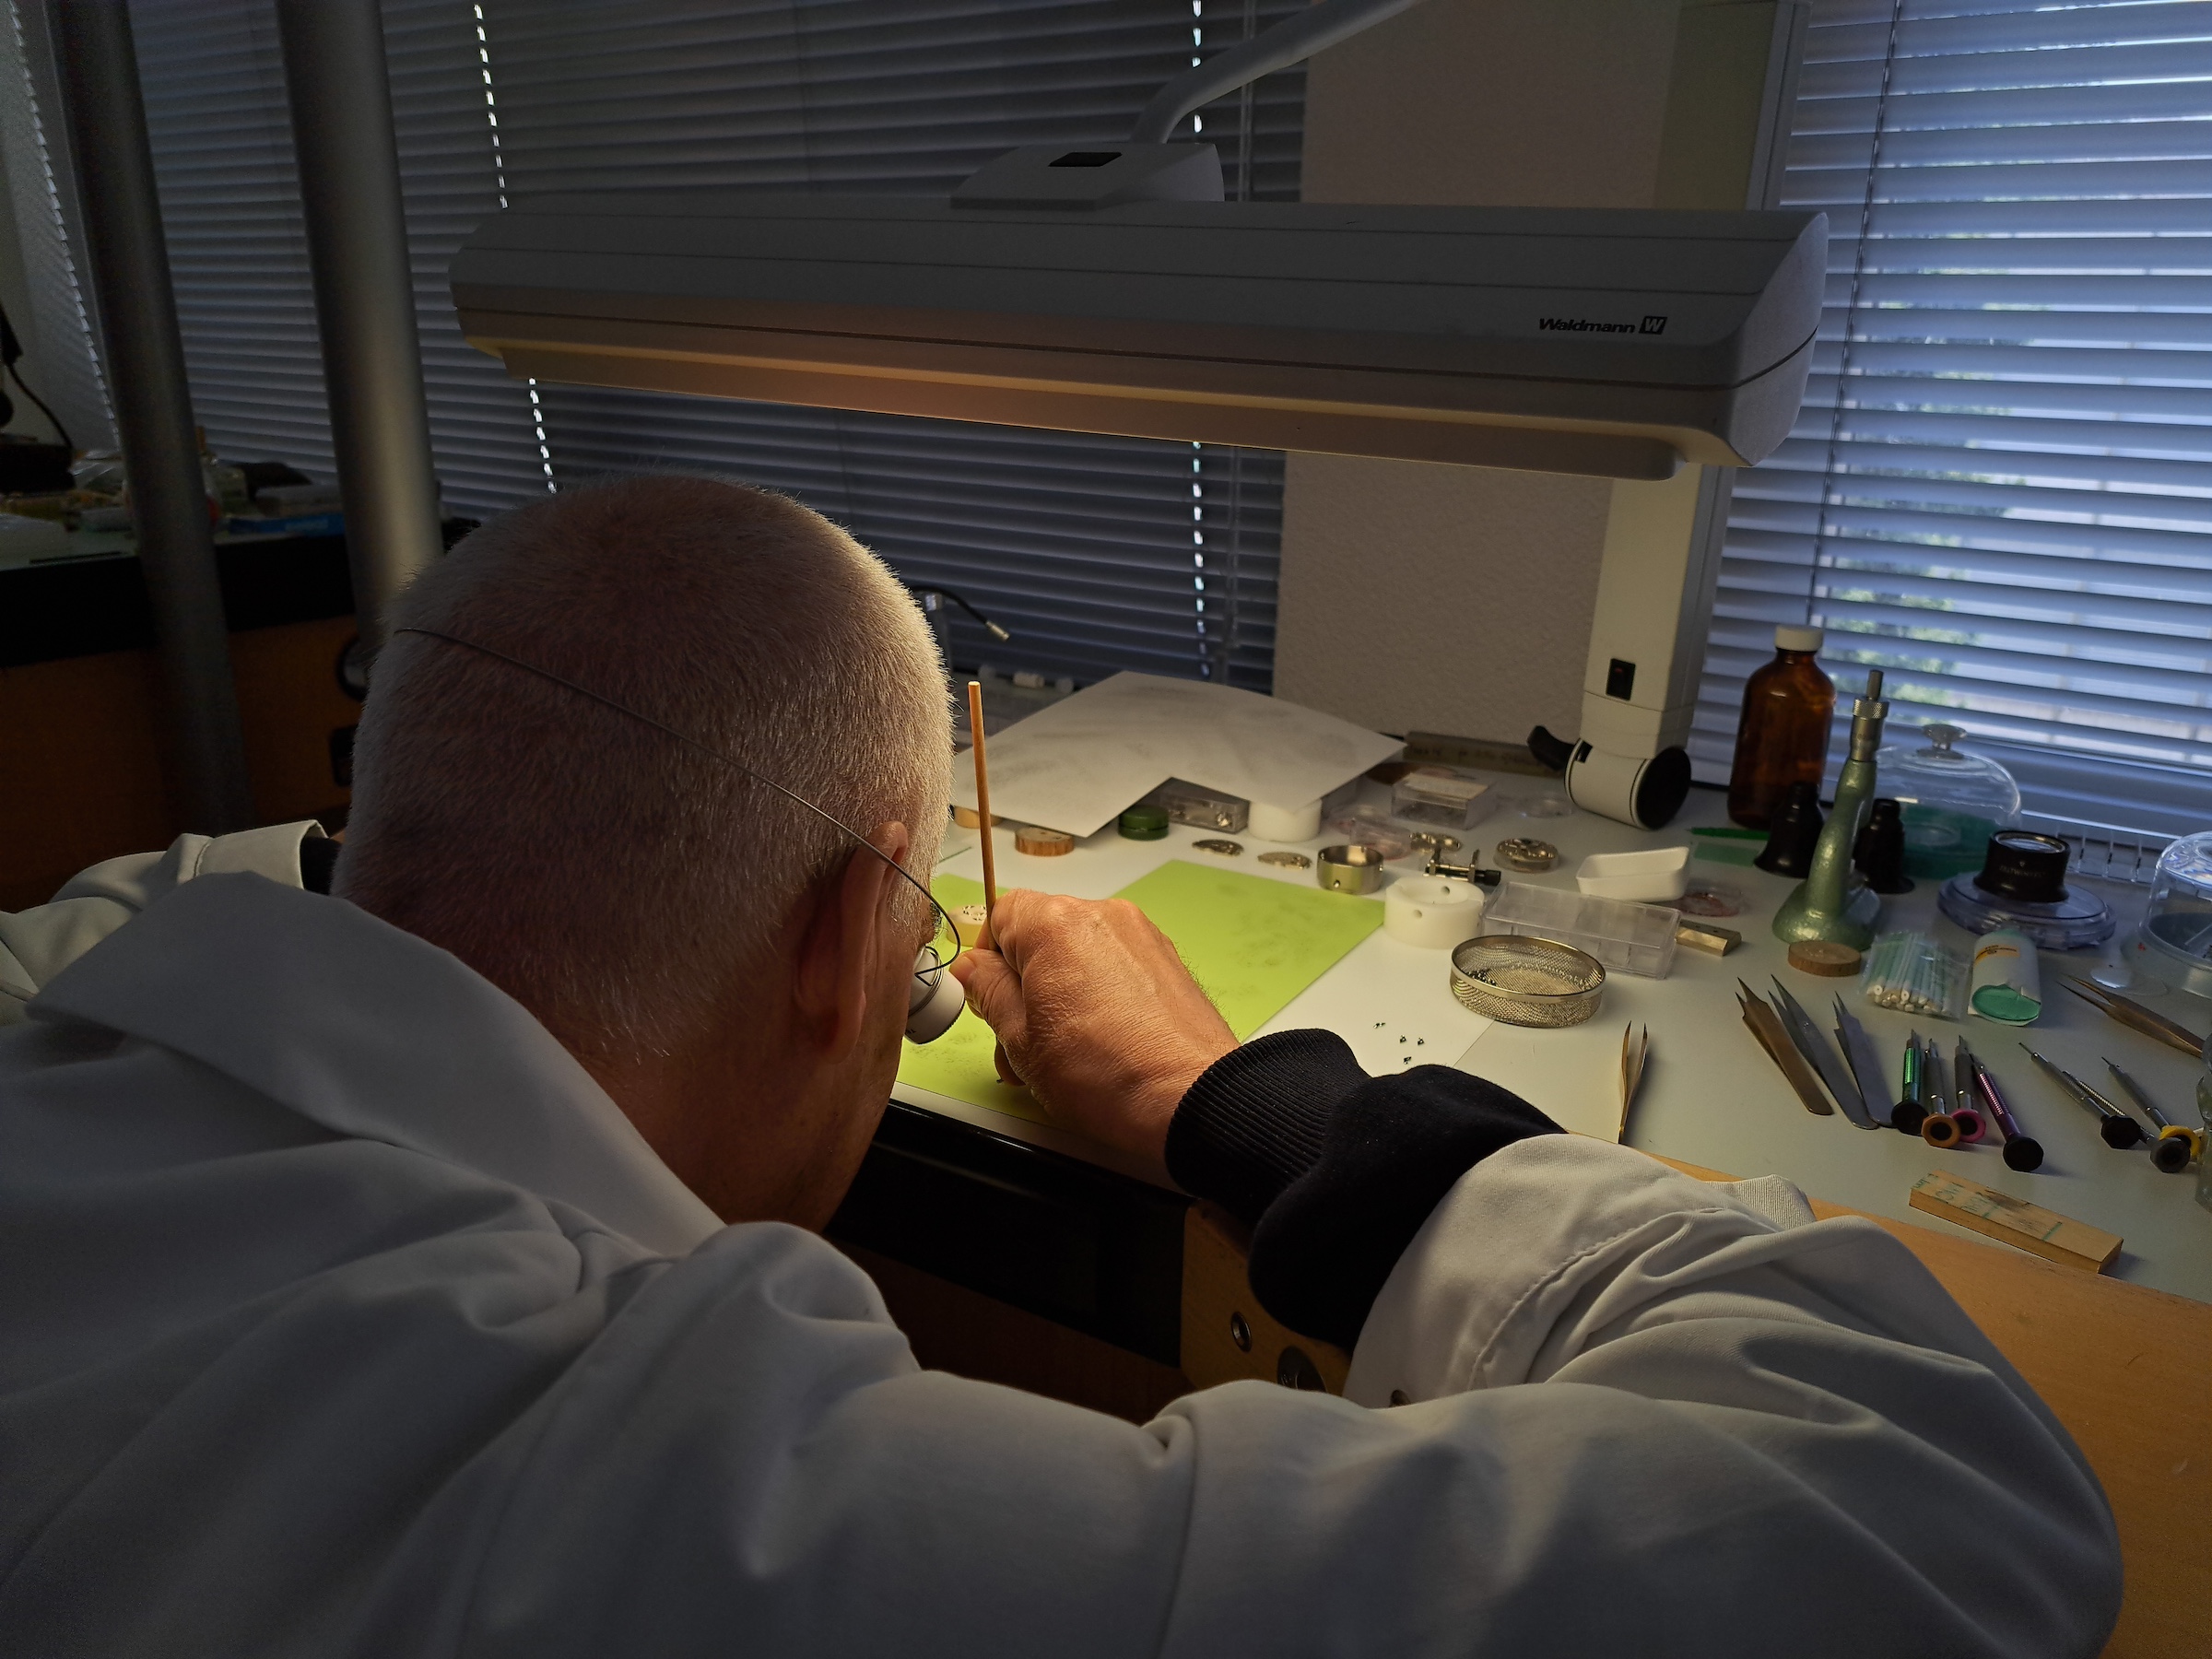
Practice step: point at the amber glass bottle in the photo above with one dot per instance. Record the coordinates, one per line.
(1782, 737)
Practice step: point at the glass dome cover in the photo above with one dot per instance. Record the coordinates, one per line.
(1953, 802)
(2177, 923)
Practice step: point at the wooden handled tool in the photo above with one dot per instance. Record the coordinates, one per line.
(983, 811)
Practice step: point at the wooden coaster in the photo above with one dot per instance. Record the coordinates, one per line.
(967, 817)
(1043, 843)
(1827, 959)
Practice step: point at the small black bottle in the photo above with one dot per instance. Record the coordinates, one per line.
(1793, 834)
(1880, 851)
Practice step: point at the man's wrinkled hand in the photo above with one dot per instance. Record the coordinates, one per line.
(1096, 1013)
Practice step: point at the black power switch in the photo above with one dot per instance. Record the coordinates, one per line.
(1620, 681)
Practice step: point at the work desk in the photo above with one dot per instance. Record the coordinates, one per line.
(1709, 1096)
(1006, 1246)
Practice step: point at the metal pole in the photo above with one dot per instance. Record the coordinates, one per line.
(356, 234)
(153, 406)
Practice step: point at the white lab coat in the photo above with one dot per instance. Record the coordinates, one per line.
(345, 1314)
(35, 945)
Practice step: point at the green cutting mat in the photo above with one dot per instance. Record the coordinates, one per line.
(1254, 944)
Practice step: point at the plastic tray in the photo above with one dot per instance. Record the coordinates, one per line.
(1628, 938)
(1659, 875)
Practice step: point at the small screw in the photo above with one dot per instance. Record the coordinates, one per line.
(1401, 1040)
(1381, 1023)
(1240, 1333)
(1294, 1369)
(1420, 1043)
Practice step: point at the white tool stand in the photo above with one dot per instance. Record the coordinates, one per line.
(1663, 540)
(1647, 645)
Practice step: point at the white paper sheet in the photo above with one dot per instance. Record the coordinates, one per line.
(1075, 765)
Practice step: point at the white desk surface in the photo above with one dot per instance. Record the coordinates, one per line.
(1711, 1096)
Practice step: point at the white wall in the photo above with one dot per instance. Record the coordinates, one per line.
(1446, 598)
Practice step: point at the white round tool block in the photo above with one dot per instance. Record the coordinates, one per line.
(1431, 912)
(1284, 824)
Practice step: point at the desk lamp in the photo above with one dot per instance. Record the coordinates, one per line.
(1113, 289)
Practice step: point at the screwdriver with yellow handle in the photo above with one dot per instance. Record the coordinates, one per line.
(2177, 1146)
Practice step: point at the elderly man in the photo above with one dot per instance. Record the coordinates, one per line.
(431, 1267)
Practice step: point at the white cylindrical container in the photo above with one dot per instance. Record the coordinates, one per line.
(1284, 824)
(2007, 983)
(1431, 912)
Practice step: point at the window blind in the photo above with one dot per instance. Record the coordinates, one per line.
(1097, 553)
(486, 429)
(61, 364)
(212, 76)
(1999, 490)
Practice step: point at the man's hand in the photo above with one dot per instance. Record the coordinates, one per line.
(1096, 1013)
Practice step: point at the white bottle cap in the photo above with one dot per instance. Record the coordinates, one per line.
(1797, 639)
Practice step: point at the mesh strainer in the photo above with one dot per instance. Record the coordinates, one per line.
(1525, 981)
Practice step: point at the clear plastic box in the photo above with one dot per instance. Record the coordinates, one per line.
(1628, 938)
(1200, 807)
(1435, 795)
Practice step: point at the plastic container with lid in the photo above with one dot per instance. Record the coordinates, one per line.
(2177, 922)
(1628, 938)
(1781, 738)
(1952, 801)
(1439, 796)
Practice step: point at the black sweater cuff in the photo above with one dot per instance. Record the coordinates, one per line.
(1256, 1119)
(1334, 1171)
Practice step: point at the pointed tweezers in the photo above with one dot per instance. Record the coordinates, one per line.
(2135, 1017)
(1867, 1068)
(1635, 1050)
(1823, 1059)
(1766, 1025)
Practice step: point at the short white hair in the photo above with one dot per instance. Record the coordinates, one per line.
(610, 878)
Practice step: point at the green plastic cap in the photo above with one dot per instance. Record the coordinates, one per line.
(1145, 823)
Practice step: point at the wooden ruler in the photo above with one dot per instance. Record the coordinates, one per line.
(2015, 1221)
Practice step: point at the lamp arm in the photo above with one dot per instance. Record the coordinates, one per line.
(1290, 41)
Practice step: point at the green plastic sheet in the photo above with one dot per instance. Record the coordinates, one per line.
(1252, 942)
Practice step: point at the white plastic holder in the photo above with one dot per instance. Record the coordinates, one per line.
(1284, 824)
(1431, 911)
